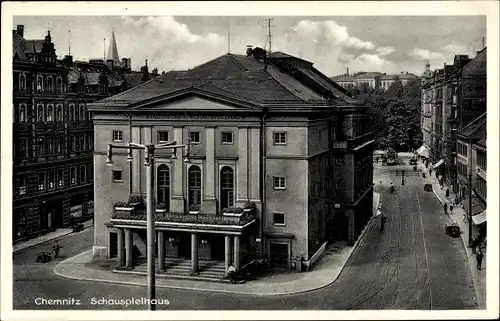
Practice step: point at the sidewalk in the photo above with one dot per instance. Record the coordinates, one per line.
(457, 216)
(328, 269)
(47, 237)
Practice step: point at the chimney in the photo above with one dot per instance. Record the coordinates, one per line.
(347, 72)
(110, 63)
(249, 50)
(20, 31)
(155, 72)
(68, 60)
(401, 73)
(124, 63)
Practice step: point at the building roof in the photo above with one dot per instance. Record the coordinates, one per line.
(407, 75)
(244, 78)
(475, 129)
(21, 46)
(340, 78)
(366, 75)
(482, 142)
(91, 72)
(133, 79)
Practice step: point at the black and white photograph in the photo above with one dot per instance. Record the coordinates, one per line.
(302, 159)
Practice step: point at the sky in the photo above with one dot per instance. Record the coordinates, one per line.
(390, 44)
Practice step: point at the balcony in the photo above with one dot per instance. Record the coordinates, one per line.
(427, 114)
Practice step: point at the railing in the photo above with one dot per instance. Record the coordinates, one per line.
(210, 219)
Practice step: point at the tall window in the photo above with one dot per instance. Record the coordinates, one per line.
(72, 175)
(52, 180)
(40, 146)
(60, 143)
(227, 187)
(194, 179)
(41, 181)
(22, 113)
(39, 83)
(50, 113)
(23, 148)
(82, 142)
(59, 113)
(82, 111)
(60, 177)
(50, 145)
(83, 174)
(22, 82)
(50, 86)
(71, 116)
(59, 84)
(40, 113)
(163, 185)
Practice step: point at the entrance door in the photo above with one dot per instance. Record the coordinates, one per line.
(278, 254)
(113, 244)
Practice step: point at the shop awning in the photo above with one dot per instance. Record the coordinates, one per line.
(479, 218)
(438, 163)
(477, 206)
(421, 149)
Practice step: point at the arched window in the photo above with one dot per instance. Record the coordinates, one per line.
(50, 145)
(163, 186)
(71, 116)
(194, 185)
(227, 187)
(22, 82)
(49, 84)
(40, 113)
(22, 113)
(50, 113)
(39, 83)
(76, 115)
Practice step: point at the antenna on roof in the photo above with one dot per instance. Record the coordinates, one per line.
(269, 35)
(69, 43)
(104, 42)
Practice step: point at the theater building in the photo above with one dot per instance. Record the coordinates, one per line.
(280, 162)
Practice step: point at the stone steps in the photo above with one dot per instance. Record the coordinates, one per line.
(207, 270)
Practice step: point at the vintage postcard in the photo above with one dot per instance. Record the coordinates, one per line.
(250, 160)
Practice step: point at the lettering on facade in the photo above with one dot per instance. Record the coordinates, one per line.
(201, 117)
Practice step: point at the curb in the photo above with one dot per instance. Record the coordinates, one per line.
(48, 240)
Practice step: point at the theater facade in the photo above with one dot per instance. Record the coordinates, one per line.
(280, 162)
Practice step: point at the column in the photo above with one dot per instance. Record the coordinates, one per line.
(161, 251)
(129, 247)
(227, 252)
(209, 204)
(236, 252)
(194, 253)
(242, 171)
(177, 201)
(121, 247)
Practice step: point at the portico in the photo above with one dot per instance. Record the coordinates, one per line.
(167, 243)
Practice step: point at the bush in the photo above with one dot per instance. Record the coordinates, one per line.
(135, 199)
(250, 205)
(161, 206)
(121, 204)
(194, 208)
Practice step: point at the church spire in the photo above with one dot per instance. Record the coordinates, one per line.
(113, 50)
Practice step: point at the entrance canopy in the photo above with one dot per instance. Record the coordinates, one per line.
(438, 164)
(421, 149)
(479, 218)
(477, 206)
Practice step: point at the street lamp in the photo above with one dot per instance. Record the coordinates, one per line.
(149, 152)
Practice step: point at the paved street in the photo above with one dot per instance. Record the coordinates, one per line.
(413, 264)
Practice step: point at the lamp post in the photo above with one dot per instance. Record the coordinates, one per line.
(149, 152)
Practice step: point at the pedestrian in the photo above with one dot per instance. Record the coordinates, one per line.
(479, 258)
(430, 171)
(56, 249)
(474, 244)
(447, 192)
(451, 208)
(445, 207)
(231, 271)
(382, 222)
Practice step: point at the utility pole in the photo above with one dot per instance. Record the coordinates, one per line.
(104, 46)
(69, 43)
